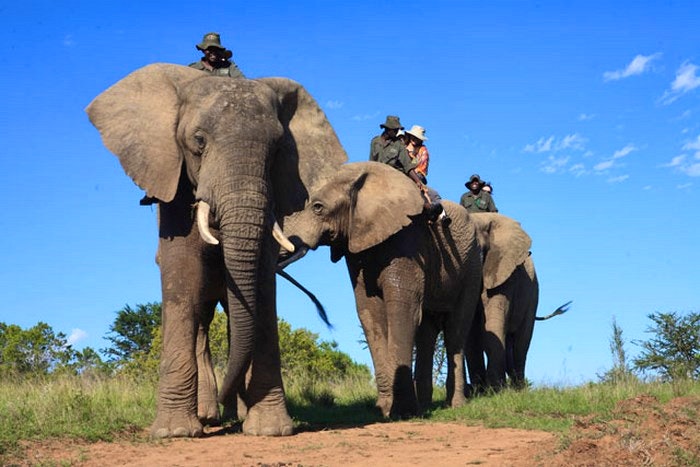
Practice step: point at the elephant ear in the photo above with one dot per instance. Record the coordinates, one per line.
(382, 202)
(137, 118)
(310, 151)
(505, 243)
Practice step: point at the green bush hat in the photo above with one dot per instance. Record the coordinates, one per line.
(392, 123)
(472, 178)
(210, 39)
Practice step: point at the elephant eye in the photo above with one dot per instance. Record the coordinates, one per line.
(200, 140)
(317, 207)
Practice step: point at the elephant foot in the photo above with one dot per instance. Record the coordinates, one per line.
(208, 414)
(268, 421)
(384, 406)
(176, 425)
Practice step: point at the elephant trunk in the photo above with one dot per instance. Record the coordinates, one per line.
(242, 226)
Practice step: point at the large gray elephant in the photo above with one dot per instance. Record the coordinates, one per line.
(410, 279)
(246, 152)
(504, 325)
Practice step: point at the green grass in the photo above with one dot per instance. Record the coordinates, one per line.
(104, 409)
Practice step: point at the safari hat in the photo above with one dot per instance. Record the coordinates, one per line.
(392, 123)
(472, 178)
(210, 39)
(418, 132)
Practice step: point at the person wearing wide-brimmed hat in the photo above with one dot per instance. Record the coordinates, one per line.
(477, 199)
(217, 59)
(418, 151)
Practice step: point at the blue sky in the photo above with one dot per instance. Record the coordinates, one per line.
(585, 116)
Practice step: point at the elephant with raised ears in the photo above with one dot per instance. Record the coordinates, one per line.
(247, 152)
(505, 322)
(411, 279)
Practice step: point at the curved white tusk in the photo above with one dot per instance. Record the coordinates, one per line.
(203, 223)
(281, 238)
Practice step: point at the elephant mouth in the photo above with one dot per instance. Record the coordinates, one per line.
(203, 209)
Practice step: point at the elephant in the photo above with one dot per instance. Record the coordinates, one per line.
(411, 278)
(505, 322)
(243, 155)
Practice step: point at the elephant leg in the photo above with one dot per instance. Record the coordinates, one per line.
(457, 326)
(374, 324)
(519, 348)
(181, 283)
(403, 312)
(264, 394)
(207, 406)
(474, 352)
(426, 336)
(494, 339)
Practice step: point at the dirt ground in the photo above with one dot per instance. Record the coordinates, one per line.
(642, 431)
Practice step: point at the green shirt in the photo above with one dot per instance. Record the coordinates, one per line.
(391, 152)
(482, 202)
(230, 70)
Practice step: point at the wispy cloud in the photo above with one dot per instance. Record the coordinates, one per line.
(364, 117)
(554, 164)
(684, 164)
(686, 80)
(624, 151)
(76, 335)
(692, 145)
(618, 179)
(578, 170)
(605, 165)
(334, 105)
(585, 117)
(68, 41)
(637, 66)
(552, 144)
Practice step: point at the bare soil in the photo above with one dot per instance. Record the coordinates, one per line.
(642, 431)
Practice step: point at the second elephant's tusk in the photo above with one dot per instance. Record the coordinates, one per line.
(203, 223)
(282, 238)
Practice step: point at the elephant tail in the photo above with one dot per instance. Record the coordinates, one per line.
(559, 311)
(319, 306)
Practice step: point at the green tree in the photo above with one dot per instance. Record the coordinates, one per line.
(674, 351)
(36, 350)
(302, 353)
(131, 333)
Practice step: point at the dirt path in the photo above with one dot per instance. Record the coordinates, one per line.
(380, 444)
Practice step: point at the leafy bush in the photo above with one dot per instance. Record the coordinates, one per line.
(674, 351)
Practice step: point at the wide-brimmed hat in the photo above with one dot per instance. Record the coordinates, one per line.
(472, 178)
(392, 123)
(210, 39)
(418, 132)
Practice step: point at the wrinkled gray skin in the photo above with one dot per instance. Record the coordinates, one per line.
(504, 325)
(251, 149)
(410, 280)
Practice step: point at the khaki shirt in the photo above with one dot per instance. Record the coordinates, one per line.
(482, 202)
(231, 70)
(392, 153)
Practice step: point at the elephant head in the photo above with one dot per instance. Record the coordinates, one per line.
(505, 246)
(249, 149)
(362, 205)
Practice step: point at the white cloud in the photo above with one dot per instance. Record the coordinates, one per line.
(76, 335)
(693, 145)
(618, 179)
(542, 145)
(578, 170)
(554, 164)
(676, 161)
(683, 186)
(68, 41)
(605, 165)
(637, 66)
(362, 118)
(692, 170)
(624, 151)
(686, 80)
(574, 141)
(584, 117)
(334, 104)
